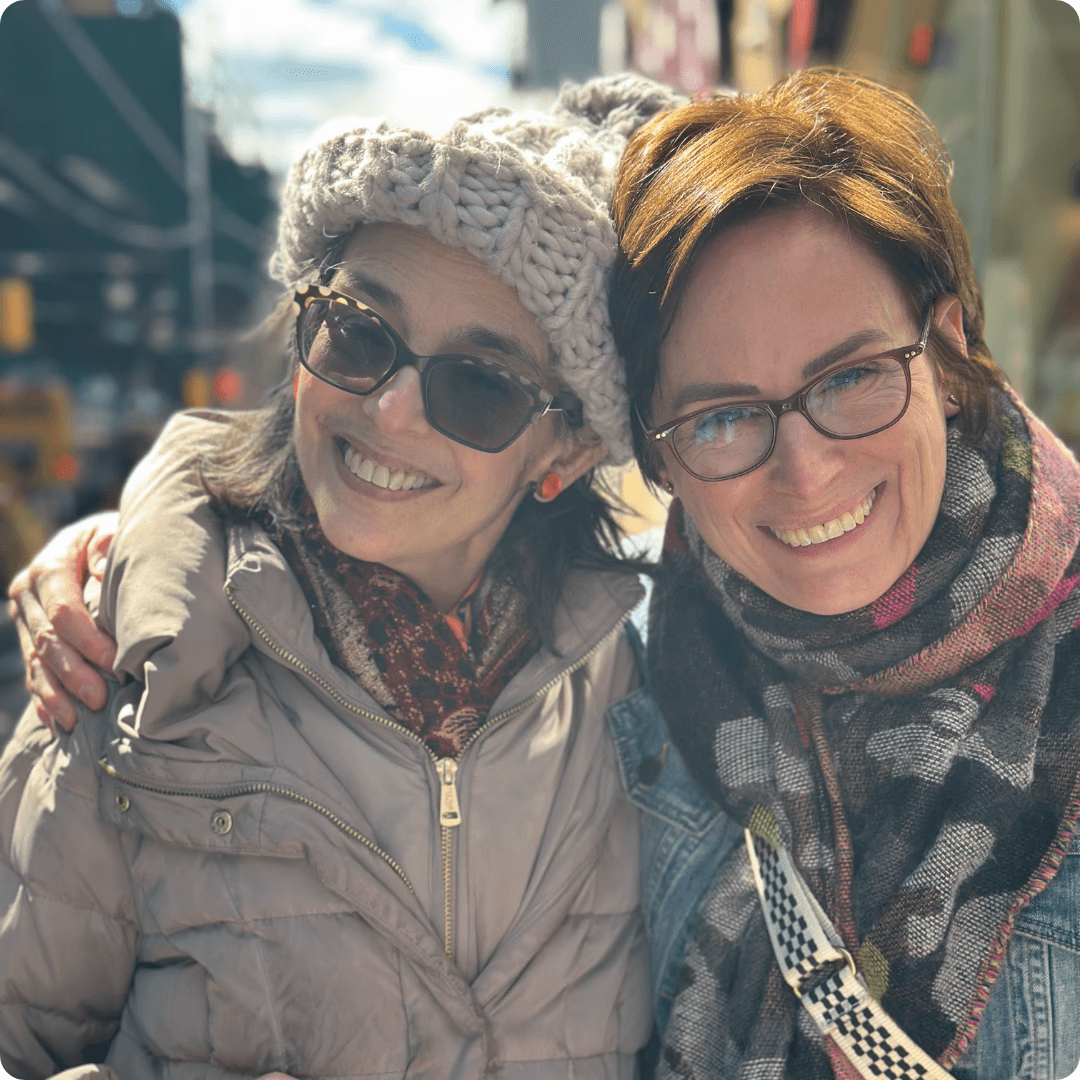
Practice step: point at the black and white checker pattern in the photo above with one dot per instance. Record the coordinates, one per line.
(880, 1050)
(833, 999)
(798, 950)
(840, 1003)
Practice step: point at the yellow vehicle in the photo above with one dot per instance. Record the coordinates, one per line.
(37, 456)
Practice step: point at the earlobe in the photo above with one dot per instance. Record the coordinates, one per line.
(579, 458)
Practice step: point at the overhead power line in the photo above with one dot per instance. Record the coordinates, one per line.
(23, 166)
(113, 87)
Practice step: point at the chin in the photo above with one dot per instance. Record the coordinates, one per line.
(823, 596)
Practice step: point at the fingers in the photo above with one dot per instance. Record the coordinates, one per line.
(97, 550)
(65, 621)
(56, 577)
(50, 695)
(59, 639)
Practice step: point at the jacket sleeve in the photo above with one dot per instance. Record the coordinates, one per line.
(169, 545)
(68, 935)
(164, 582)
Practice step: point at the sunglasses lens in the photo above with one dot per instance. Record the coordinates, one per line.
(477, 405)
(345, 346)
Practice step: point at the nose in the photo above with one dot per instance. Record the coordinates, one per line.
(397, 407)
(804, 462)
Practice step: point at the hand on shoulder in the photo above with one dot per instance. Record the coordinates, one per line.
(62, 647)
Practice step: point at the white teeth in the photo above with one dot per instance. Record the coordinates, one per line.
(828, 530)
(380, 475)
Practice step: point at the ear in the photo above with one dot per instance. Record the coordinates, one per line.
(949, 319)
(573, 459)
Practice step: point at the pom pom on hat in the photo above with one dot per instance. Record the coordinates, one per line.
(526, 193)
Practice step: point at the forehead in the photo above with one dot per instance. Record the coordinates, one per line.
(430, 286)
(771, 294)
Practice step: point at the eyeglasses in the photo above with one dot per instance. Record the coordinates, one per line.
(849, 402)
(475, 402)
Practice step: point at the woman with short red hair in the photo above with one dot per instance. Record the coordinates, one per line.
(864, 640)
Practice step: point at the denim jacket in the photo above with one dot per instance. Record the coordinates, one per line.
(1031, 1027)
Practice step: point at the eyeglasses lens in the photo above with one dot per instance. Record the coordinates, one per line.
(854, 400)
(859, 398)
(725, 441)
(345, 347)
(482, 407)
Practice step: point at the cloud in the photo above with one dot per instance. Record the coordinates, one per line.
(275, 70)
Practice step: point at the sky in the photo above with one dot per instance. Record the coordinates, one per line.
(275, 71)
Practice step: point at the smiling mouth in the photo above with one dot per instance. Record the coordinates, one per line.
(829, 530)
(381, 475)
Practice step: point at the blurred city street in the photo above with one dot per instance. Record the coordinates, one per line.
(143, 143)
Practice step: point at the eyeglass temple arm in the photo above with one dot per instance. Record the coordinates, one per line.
(925, 336)
(650, 434)
(570, 404)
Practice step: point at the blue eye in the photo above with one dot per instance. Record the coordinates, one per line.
(722, 425)
(856, 376)
(848, 378)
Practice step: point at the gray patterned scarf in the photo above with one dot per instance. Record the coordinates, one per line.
(920, 756)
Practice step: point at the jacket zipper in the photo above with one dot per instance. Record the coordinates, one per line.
(445, 768)
(257, 787)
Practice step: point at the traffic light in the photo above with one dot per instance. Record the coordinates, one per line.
(16, 314)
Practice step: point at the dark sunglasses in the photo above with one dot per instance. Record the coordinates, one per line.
(475, 402)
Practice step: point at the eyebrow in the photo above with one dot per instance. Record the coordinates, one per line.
(707, 391)
(483, 337)
(380, 293)
(475, 334)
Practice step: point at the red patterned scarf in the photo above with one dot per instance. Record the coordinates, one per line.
(437, 675)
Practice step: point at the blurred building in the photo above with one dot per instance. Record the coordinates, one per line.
(130, 243)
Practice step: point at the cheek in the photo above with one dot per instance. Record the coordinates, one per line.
(922, 460)
(715, 510)
(305, 432)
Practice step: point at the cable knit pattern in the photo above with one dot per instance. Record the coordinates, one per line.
(526, 193)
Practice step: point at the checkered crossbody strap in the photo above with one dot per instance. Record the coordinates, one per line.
(822, 973)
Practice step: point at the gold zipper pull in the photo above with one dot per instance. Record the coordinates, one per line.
(449, 811)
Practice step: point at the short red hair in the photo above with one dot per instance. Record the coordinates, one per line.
(821, 138)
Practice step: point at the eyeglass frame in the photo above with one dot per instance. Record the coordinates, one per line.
(795, 403)
(543, 400)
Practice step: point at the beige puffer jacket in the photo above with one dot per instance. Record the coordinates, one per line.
(241, 867)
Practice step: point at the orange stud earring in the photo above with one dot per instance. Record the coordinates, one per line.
(550, 486)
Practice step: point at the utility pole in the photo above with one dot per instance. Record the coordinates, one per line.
(197, 126)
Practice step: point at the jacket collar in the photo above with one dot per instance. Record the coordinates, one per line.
(264, 591)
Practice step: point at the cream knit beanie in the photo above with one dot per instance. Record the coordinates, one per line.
(525, 192)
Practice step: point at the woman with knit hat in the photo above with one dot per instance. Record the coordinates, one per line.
(864, 637)
(350, 808)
